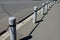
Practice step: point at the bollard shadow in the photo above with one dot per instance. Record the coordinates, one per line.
(26, 38)
(30, 36)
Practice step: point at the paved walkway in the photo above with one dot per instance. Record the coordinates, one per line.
(46, 29)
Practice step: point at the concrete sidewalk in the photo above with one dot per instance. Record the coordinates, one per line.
(46, 29)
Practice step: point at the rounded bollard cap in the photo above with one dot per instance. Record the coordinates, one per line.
(43, 4)
(12, 21)
(35, 8)
(47, 2)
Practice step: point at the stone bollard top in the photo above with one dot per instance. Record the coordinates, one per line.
(35, 8)
(12, 21)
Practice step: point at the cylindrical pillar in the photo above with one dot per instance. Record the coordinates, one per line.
(46, 7)
(49, 4)
(35, 14)
(12, 28)
(55, 1)
(42, 9)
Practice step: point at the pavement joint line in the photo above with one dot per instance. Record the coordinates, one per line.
(5, 36)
